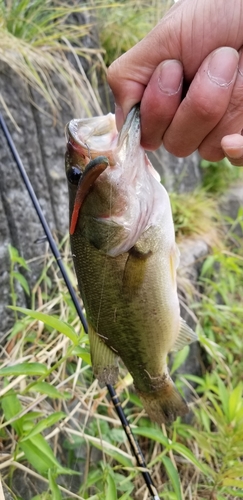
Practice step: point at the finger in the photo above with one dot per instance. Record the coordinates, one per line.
(232, 146)
(160, 101)
(231, 123)
(183, 27)
(205, 103)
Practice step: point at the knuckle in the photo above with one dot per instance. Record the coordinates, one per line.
(210, 152)
(206, 110)
(236, 103)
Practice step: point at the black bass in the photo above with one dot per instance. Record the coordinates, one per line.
(125, 257)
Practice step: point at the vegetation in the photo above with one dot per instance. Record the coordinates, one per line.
(218, 175)
(37, 38)
(57, 426)
(50, 401)
(127, 23)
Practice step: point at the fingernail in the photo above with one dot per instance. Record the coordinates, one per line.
(223, 66)
(235, 154)
(119, 117)
(232, 145)
(170, 77)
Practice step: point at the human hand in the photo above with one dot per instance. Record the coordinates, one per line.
(196, 46)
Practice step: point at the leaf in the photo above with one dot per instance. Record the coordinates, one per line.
(234, 493)
(224, 397)
(17, 327)
(126, 496)
(237, 483)
(154, 434)
(119, 457)
(22, 280)
(15, 257)
(52, 321)
(234, 472)
(179, 358)
(82, 353)
(207, 265)
(110, 488)
(11, 407)
(235, 402)
(40, 455)
(173, 476)
(36, 457)
(24, 369)
(44, 424)
(185, 452)
(49, 390)
(56, 494)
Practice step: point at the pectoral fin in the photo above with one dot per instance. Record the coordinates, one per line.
(186, 336)
(104, 360)
(134, 271)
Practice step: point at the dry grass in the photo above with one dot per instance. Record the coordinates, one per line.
(37, 39)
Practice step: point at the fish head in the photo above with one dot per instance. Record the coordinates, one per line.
(110, 177)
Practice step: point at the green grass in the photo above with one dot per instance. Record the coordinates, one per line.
(50, 401)
(122, 24)
(217, 176)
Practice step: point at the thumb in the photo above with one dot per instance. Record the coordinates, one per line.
(232, 146)
(129, 75)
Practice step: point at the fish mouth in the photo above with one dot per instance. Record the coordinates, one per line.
(91, 137)
(91, 143)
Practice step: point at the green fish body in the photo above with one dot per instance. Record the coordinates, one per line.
(125, 258)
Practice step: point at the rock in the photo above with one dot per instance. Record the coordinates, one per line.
(181, 175)
(193, 252)
(231, 202)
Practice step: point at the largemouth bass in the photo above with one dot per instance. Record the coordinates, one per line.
(125, 257)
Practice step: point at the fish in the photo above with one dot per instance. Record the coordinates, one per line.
(126, 258)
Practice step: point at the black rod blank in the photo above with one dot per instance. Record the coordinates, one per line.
(115, 399)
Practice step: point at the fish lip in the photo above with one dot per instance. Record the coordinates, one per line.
(92, 137)
(131, 126)
(81, 131)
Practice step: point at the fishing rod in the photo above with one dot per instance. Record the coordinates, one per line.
(114, 397)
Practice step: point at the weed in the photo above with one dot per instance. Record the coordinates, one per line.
(36, 38)
(196, 214)
(51, 403)
(218, 175)
(127, 23)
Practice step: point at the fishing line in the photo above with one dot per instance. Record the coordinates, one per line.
(115, 399)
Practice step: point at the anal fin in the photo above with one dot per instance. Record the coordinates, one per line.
(104, 360)
(186, 336)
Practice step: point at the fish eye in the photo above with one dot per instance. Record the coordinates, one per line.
(74, 174)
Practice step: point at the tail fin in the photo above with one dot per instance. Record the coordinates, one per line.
(164, 405)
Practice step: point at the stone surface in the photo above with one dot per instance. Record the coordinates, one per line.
(192, 254)
(231, 202)
(39, 137)
(181, 175)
